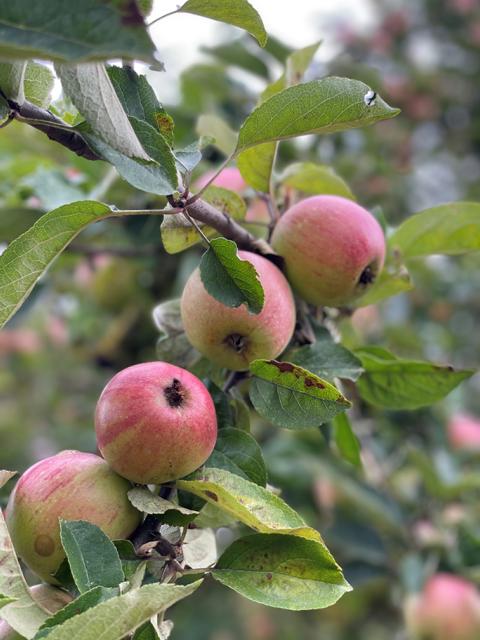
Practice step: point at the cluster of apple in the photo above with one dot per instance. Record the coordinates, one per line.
(156, 422)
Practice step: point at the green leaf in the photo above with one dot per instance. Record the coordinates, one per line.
(394, 383)
(229, 279)
(173, 345)
(188, 157)
(256, 165)
(282, 571)
(52, 188)
(247, 502)
(122, 615)
(89, 88)
(157, 148)
(144, 500)
(139, 100)
(296, 64)
(84, 602)
(23, 614)
(450, 229)
(52, 29)
(29, 256)
(312, 178)
(321, 106)
(38, 84)
(346, 440)
(213, 126)
(236, 54)
(146, 175)
(326, 358)
(292, 397)
(239, 452)
(239, 13)
(92, 556)
(12, 76)
(392, 281)
(177, 232)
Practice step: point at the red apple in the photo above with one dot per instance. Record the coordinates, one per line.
(155, 422)
(73, 486)
(228, 178)
(333, 248)
(448, 608)
(232, 338)
(463, 432)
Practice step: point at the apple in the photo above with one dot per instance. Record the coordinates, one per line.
(463, 432)
(448, 608)
(232, 338)
(48, 597)
(334, 249)
(228, 178)
(73, 486)
(155, 422)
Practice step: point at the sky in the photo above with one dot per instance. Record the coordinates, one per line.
(179, 37)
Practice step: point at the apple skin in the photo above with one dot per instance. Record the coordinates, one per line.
(48, 597)
(155, 422)
(71, 485)
(232, 338)
(333, 249)
(464, 433)
(448, 608)
(228, 178)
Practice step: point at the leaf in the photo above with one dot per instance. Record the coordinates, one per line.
(312, 178)
(51, 29)
(391, 282)
(173, 345)
(229, 279)
(296, 64)
(236, 53)
(84, 602)
(28, 257)
(239, 13)
(121, 615)
(52, 188)
(292, 397)
(144, 500)
(38, 84)
(188, 157)
(326, 358)
(282, 571)
(139, 100)
(200, 548)
(92, 556)
(11, 80)
(247, 502)
(450, 229)
(146, 175)
(321, 106)
(178, 233)
(256, 165)
(394, 383)
(89, 88)
(346, 440)
(158, 149)
(5, 476)
(213, 126)
(23, 614)
(239, 452)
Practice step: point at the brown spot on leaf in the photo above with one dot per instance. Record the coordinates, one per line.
(283, 367)
(211, 495)
(311, 382)
(165, 124)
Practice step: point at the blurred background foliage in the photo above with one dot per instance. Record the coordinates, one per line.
(414, 507)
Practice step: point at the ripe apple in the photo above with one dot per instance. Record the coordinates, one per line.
(448, 608)
(232, 338)
(228, 178)
(155, 422)
(73, 486)
(48, 597)
(464, 432)
(333, 249)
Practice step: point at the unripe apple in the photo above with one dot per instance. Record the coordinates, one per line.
(232, 338)
(155, 422)
(228, 178)
(48, 597)
(448, 608)
(464, 432)
(333, 248)
(73, 486)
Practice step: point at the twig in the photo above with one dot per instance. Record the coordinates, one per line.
(170, 13)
